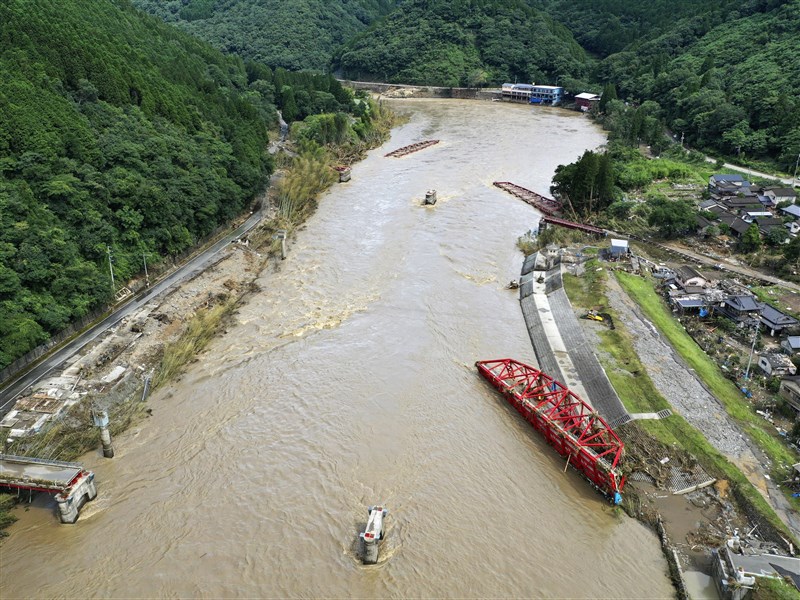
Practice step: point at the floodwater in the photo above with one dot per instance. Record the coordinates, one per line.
(348, 380)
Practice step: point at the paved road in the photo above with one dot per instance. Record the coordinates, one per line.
(724, 265)
(196, 265)
(754, 173)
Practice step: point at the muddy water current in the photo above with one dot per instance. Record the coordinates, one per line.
(348, 380)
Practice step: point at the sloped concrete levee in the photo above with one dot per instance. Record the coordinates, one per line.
(558, 341)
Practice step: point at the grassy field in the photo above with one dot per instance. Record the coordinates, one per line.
(637, 391)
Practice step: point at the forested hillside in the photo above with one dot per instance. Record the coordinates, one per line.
(119, 132)
(727, 82)
(604, 27)
(724, 73)
(463, 43)
(293, 34)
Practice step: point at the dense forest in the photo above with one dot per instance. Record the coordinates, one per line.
(463, 43)
(121, 138)
(293, 34)
(724, 72)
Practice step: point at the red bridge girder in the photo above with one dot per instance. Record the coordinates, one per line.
(546, 205)
(568, 423)
(573, 225)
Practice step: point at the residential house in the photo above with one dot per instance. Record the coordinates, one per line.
(776, 321)
(793, 227)
(765, 201)
(754, 215)
(738, 226)
(707, 204)
(776, 365)
(586, 101)
(791, 345)
(741, 308)
(686, 276)
(740, 204)
(793, 210)
(790, 391)
(703, 225)
(719, 210)
(725, 183)
(781, 195)
(765, 225)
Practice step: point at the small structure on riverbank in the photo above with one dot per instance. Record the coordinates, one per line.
(344, 173)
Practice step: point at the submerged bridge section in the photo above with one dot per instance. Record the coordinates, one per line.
(72, 485)
(412, 148)
(544, 204)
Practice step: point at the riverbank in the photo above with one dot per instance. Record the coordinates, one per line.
(649, 378)
(158, 342)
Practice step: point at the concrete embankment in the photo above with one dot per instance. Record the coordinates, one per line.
(561, 348)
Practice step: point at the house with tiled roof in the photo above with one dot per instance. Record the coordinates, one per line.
(741, 308)
(776, 321)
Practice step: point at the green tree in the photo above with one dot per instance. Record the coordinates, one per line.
(609, 94)
(671, 218)
(751, 239)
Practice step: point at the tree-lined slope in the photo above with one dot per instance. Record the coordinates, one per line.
(728, 84)
(115, 131)
(723, 72)
(463, 42)
(604, 27)
(293, 34)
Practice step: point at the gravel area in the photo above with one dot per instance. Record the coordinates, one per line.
(676, 382)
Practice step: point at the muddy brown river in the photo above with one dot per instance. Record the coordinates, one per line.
(348, 380)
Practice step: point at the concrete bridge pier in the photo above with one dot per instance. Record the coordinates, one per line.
(373, 534)
(72, 500)
(101, 421)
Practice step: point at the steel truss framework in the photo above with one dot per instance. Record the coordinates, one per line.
(412, 148)
(572, 225)
(568, 423)
(547, 205)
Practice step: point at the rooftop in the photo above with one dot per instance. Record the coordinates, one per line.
(743, 303)
(774, 316)
(686, 272)
(793, 210)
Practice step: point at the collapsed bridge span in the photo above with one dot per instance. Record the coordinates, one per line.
(568, 423)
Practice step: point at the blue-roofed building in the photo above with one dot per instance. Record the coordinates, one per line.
(546, 94)
(792, 210)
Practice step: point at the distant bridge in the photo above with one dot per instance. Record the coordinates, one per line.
(72, 485)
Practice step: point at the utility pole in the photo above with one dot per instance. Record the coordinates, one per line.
(111, 267)
(752, 349)
(146, 276)
(797, 162)
(682, 134)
